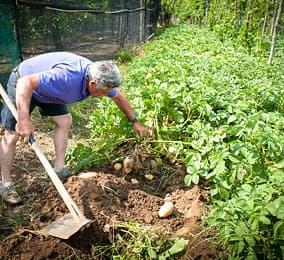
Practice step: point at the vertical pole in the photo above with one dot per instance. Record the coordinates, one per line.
(142, 25)
(273, 42)
(18, 33)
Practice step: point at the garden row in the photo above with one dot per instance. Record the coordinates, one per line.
(219, 111)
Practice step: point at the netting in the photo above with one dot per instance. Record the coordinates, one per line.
(9, 48)
(95, 29)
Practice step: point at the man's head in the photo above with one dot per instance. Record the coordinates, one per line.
(105, 73)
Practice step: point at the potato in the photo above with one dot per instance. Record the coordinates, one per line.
(128, 164)
(86, 175)
(117, 166)
(149, 177)
(134, 181)
(166, 210)
(172, 159)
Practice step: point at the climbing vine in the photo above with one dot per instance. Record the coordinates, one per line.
(250, 22)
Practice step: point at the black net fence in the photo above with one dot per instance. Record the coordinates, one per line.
(94, 29)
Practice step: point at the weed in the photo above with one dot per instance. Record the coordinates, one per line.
(134, 241)
(124, 56)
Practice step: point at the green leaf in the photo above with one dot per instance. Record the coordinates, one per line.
(278, 229)
(178, 247)
(276, 207)
(264, 220)
(214, 190)
(241, 229)
(195, 178)
(231, 119)
(187, 180)
(250, 240)
(279, 165)
(238, 247)
(152, 254)
(247, 188)
(280, 212)
(224, 193)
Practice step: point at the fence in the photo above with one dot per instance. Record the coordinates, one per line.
(95, 29)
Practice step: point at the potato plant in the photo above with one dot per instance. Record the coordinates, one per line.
(219, 111)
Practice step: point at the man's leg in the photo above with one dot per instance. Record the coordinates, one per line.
(63, 124)
(7, 153)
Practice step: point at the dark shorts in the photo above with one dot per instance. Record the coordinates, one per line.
(6, 118)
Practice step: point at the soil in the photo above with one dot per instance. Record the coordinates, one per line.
(104, 195)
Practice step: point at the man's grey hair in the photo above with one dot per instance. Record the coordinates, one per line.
(105, 73)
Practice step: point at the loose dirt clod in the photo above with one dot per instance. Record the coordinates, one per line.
(154, 165)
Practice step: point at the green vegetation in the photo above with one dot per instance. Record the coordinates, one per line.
(250, 23)
(217, 110)
(133, 241)
(124, 56)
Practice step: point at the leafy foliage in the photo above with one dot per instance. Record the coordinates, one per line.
(250, 23)
(219, 111)
(108, 129)
(124, 56)
(133, 241)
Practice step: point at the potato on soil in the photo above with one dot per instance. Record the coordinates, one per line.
(134, 181)
(128, 164)
(117, 166)
(149, 177)
(86, 175)
(172, 159)
(166, 209)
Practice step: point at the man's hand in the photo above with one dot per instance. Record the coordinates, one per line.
(24, 128)
(140, 129)
(126, 108)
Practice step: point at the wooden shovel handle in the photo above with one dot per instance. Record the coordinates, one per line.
(8, 102)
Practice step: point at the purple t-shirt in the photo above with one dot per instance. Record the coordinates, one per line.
(62, 77)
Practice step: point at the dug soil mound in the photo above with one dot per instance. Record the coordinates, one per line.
(106, 196)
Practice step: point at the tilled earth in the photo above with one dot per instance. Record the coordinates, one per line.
(105, 196)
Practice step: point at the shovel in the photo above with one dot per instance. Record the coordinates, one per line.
(70, 223)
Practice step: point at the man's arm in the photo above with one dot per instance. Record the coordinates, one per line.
(24, 90)
(126, 108)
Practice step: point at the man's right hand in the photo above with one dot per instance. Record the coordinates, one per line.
(24, 128)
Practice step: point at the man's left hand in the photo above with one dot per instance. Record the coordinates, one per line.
(140, 129)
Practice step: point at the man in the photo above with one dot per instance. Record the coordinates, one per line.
(50, 81)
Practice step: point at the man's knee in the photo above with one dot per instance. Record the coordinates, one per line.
(63, 121)
(10, 137)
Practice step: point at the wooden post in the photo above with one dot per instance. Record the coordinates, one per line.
(274, 35)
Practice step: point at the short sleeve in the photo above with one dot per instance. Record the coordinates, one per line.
(112, 93)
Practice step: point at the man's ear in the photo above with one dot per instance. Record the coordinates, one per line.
(92, 83)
